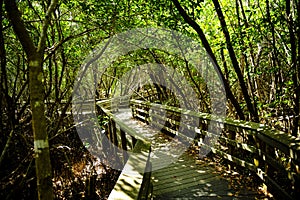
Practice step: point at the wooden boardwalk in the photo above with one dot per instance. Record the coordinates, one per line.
(182, 178)
(185, 179)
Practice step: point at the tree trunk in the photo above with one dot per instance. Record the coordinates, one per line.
(235, 62)
(294, 66)
(41, 144)
(207, 47)
(36, 88)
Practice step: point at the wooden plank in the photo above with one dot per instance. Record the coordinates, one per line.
(213, 190)
(177, 133)
(181, 171)
(172, 178)
(143, 118)
(142, 111)
(185, 184)
(129, 183)
(166, 119)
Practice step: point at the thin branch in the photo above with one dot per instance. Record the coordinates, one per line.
(6, 146)
(60, 43)
(42, 40)
(14, 16)
(207, 47)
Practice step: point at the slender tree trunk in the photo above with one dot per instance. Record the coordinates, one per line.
(207, 47)
(235, 62)
(295, 65)
(37, 92)
(41, 144)
(2, 65)
(244, 52)
(6, 98)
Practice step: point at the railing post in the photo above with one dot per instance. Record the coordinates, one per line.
(147, 115)
(133, 109)
(134, 140)
(109, 129)
(114, 133)
(258, 145)
(90, 186)
(296, 168)
(124, 145)
(147, 186)
(231, 135)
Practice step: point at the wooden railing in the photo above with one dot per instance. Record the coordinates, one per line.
(132, 183)
(273, 155)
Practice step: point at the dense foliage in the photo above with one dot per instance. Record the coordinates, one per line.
(256, 45)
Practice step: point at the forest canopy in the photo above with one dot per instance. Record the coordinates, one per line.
(255, 45)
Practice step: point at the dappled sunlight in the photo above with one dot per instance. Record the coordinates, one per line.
(177, 167)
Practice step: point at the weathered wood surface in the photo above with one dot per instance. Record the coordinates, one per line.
(287, 143)
(181, 179)
(129, 183)
(134, 181)
(184, 179)
(274, 157)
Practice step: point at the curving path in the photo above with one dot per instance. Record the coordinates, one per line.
(175, 173)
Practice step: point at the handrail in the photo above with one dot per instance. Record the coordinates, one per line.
(274, 157)
(285, 141)
(132, 182)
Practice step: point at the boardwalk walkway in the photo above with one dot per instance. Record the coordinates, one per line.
(180, 178)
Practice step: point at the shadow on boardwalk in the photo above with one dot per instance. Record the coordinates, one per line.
(182, 178)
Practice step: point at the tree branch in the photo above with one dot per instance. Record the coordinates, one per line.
(14, 16)
(234, 61)
(42, 39)
(207, 47)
